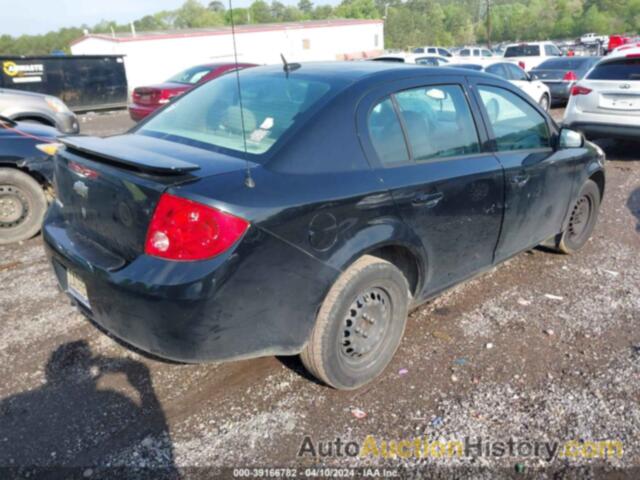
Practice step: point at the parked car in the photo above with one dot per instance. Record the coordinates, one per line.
(479, 53)
(216, 230)
(561, 73)
(606, 103)
(37, 108)
(436, 51)
(146, 100)
(26, 177)
(530, 55)
(594, 39)
(537, 90)
(413, 58)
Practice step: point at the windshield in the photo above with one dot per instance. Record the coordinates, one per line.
(191, 75)
(210, 116)
(522, 51)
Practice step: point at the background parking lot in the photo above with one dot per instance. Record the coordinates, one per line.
(545, 347)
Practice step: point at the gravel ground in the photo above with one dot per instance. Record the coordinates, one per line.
(545, 348)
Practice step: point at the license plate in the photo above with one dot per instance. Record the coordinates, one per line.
(620, 102)
(77, 288)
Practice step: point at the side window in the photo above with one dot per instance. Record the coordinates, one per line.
(516, 73)
(386, 134)
(438, 122)
(432, 50)
(487, 53)
(465, 52)
(497, 69)
(443, 52)
(516, 124)
(552, 51)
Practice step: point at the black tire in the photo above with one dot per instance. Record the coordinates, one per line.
(22, 206)
(360, 324)
(582, 220)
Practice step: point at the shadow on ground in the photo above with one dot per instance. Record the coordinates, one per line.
(90, 411)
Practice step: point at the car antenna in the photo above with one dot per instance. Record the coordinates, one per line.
(248, 179)
(288, 67)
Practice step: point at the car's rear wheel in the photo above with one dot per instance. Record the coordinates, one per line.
(360, 324)
(544, 102)
(22, 206)
(582, 220)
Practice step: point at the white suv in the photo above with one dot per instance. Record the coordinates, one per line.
(606, 103)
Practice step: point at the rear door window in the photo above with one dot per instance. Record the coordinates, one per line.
(552, 51)
(623, 69)
(438, 122)
(498, 70)
(516, 124)
(522, 51)
(515, 73)
(386, 134)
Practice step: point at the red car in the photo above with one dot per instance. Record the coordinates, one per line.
(146, 100)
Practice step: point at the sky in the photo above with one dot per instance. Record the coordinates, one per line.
(40, 16)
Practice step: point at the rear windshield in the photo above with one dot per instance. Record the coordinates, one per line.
(566, 63)
(522, 51)
(191, 75)
(210, 116)
(623, 69)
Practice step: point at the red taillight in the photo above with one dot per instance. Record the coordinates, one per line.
(83, 171)
(570, 77)
(633, 55)
(182, 229)
(580, 90)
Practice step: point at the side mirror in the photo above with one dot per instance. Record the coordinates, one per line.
(532, 77)
(570, 139)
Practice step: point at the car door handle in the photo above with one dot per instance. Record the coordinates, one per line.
(428, 200)
(520, 180)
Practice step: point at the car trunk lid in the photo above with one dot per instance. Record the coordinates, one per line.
(108, 188)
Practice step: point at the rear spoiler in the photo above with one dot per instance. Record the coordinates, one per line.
(109, 151)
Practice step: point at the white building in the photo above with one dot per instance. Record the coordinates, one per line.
(152, 57)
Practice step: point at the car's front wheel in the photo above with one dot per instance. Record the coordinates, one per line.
(582, 220)
(359, 325)
(22, 206)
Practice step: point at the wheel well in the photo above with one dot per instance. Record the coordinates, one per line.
(405, 260)
(36, 175)
(43, 120)
(598, 178)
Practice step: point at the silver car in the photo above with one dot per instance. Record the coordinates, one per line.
(19, 105)
(606, 103)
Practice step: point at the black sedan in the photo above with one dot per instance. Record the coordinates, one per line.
(26, 174)
(310, 213)
(560, 74)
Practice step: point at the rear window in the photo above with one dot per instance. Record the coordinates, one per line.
(623, 69)
(191, 75)
(210, 116)
(468, 66)
(565, 64)
(522, 51)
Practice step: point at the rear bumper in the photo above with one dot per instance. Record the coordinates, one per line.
(594, 130)
(244, 304)
(560, 92)
(139, 112)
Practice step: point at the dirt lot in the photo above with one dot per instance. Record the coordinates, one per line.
(544, 348)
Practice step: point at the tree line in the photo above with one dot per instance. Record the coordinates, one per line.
(407, 22)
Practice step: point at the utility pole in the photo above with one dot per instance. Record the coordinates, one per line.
(489, 24)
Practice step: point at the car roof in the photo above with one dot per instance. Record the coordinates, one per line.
(358, 71)
(620, 52)
(530, 43)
